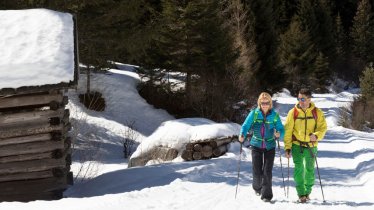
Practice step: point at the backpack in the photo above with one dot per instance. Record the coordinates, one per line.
(314, 113)
(274, 121)
(250, 131)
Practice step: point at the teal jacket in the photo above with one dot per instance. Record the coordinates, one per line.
(262, 130)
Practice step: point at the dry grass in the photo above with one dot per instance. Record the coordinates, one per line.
(359, 116)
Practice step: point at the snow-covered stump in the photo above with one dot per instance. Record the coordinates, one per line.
(34, 146)
(205, 149)
(162, 153)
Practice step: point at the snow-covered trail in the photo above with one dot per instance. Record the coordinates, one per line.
(345, 161)
(211, 184)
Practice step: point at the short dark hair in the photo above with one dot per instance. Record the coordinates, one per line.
(306, 92)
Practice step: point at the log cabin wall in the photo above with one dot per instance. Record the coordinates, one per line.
(35, 154)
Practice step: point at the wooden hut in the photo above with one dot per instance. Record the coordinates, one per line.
(38, 63)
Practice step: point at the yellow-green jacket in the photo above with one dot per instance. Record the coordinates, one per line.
(303, 126)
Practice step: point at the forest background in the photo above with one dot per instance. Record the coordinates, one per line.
(227, 51)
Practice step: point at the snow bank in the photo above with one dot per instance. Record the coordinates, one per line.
(176, 133)
(37, 48)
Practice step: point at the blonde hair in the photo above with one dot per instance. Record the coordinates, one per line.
(264, 96)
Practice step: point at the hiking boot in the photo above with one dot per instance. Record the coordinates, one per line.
(302, 199)
(258, 193)
(266, 200)
(307, 198)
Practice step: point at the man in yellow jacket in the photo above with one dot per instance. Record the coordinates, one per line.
(305, 126)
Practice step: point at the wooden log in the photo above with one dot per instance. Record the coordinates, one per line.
(31, 148)
(189, 146)
(31, 166)
(220, 150)
(29, 100)
(57, 153)
(213, 143)
(32, 196)
(207, 151)
(65, 100)
(54, 91)
(197, 147)
(187, 155)
(163, 153)
(197, 156)
(221, 141)
(56, 136)
(26, 139)
(16, 158)
(59, 172)
(43, 89)
(32, 186)
(70, 178)
(33, 117)
(55, 172)
(170, 154)
(54, 105)
(26, 176)
(67, 142)
(68, 160)
(32, 130)
(66, 117)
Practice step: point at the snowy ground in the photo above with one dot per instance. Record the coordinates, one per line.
(345, 158)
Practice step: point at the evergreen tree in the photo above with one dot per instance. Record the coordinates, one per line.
(347, 10)
(363, 32)
(341, 39)
(325, 39)
(179, 41)
(321, 73)
(192, 39)
(268, 76)
(215, 60)
(315, 18)
(286, 10)
(296, 56)
(367, 83)
(136, 25)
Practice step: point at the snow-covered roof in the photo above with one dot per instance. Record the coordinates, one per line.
(36, 48)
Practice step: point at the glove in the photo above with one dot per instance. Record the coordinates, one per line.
(241, 139)
(313, 138)
(288, 153)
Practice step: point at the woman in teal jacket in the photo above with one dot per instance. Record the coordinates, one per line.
(265, 125)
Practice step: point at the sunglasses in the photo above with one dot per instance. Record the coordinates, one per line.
(265, 103)
(302, 99)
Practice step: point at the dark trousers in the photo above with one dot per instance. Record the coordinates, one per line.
(262, 167)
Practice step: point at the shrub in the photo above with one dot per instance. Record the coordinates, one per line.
(93, 101)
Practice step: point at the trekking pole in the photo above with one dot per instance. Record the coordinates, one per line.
(319, 176)
(280, 159)
(240, 157)
(288, 178)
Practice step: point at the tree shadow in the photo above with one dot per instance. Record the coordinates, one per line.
(335, 203)
(345, 155)
(98, 144)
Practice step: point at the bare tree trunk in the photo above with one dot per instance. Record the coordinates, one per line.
(88, 79)
(188, 87)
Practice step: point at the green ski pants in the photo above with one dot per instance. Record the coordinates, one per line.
(304, 168)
